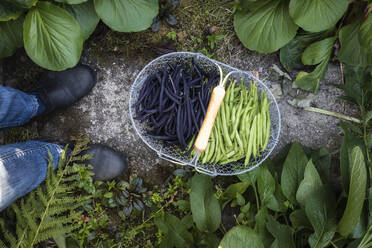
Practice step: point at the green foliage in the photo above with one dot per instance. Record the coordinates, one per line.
(53, 37)
(50, 210)
(205, 208)
(266, 26)
(240, 237)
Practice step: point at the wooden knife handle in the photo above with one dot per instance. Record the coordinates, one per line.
(201, 142)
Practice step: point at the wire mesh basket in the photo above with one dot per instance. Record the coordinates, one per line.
(172, 153)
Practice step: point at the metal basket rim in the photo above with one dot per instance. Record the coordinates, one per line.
(178, 161)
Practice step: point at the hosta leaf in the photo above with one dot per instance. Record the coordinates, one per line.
(322, 160)
(260, 227)
(266, 185)
(232, 191)
(71, 1)
(317, 15)
(351, 51)
(86, 16)
(299, 220)
(9, 12)
(52, 37)
(127, 15)
(249, 177)
(357, 193)
(282, 233)
(205, 208)
(293, 171)
(318, 51)
(365, 35)
(241, 237)
(310, 184)
(311, 81)
(11, 37)
(290, 54)
(266, 27)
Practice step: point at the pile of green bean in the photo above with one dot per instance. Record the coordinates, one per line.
(242, 126)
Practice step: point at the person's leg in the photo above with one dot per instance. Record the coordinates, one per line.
(23, 167)
(17, 107)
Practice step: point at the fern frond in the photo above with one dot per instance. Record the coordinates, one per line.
(54, 232)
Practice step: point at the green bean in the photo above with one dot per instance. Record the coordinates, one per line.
(225, 130)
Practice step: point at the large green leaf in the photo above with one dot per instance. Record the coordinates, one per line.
(260, 227)
(317, 15)
(71, 1)
(11, 37)
(291, 54)
(311, 81)
(250, 177)
(127, 15)
(86, 16)
(357, 193)
(282, 233)
(266, 27)
(52, 37)
(365, 35)
(310, 184)
(317, 200)
(351, 52)
(205, 208)
(176, 234)
(318, 51)
(266, 185)
(241, 237)
(349, 141)
(277, 202)
(9, 12)
(293, 171)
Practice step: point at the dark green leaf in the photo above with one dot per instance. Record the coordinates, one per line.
(322, 160)
(349, 141)
(187, 221)
(71, 1)
(370, 207)
(309, 185)
(317, 200)
(311, 81)
(212, 240)
(318, 51)
(361, 226)
(52, 37)
(299, 220)
(240, 200)
(176, 234)
(317, 15)
(183, 205)
(270, 23)
(11, 37)
(86, 16)
(351, 52)
(26, 4)
(293, 171)
(277, 202)
(282, 233)
(241, 237)
(266, 185)
(260, 227)
(231, 192)
(365, 35)
(127, 15)
(291, 54)
(9, 12)
(60, 241)
(357, 192)
(128, 209)
(205, 208)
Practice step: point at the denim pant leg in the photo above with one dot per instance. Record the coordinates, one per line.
(16, 107)
(23, 167)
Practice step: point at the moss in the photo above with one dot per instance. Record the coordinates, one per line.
(21, 134)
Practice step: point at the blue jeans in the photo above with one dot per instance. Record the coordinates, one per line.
(23, 166)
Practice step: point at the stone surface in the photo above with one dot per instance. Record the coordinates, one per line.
(104, 114)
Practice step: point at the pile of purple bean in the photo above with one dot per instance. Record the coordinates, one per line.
(174, 100)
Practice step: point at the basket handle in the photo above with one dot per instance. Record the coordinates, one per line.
(201, 142)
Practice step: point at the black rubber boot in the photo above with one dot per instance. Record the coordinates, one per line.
(59, 90)
(107, 163)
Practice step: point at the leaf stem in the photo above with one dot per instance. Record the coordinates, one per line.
(256, 195)
(334, 114)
